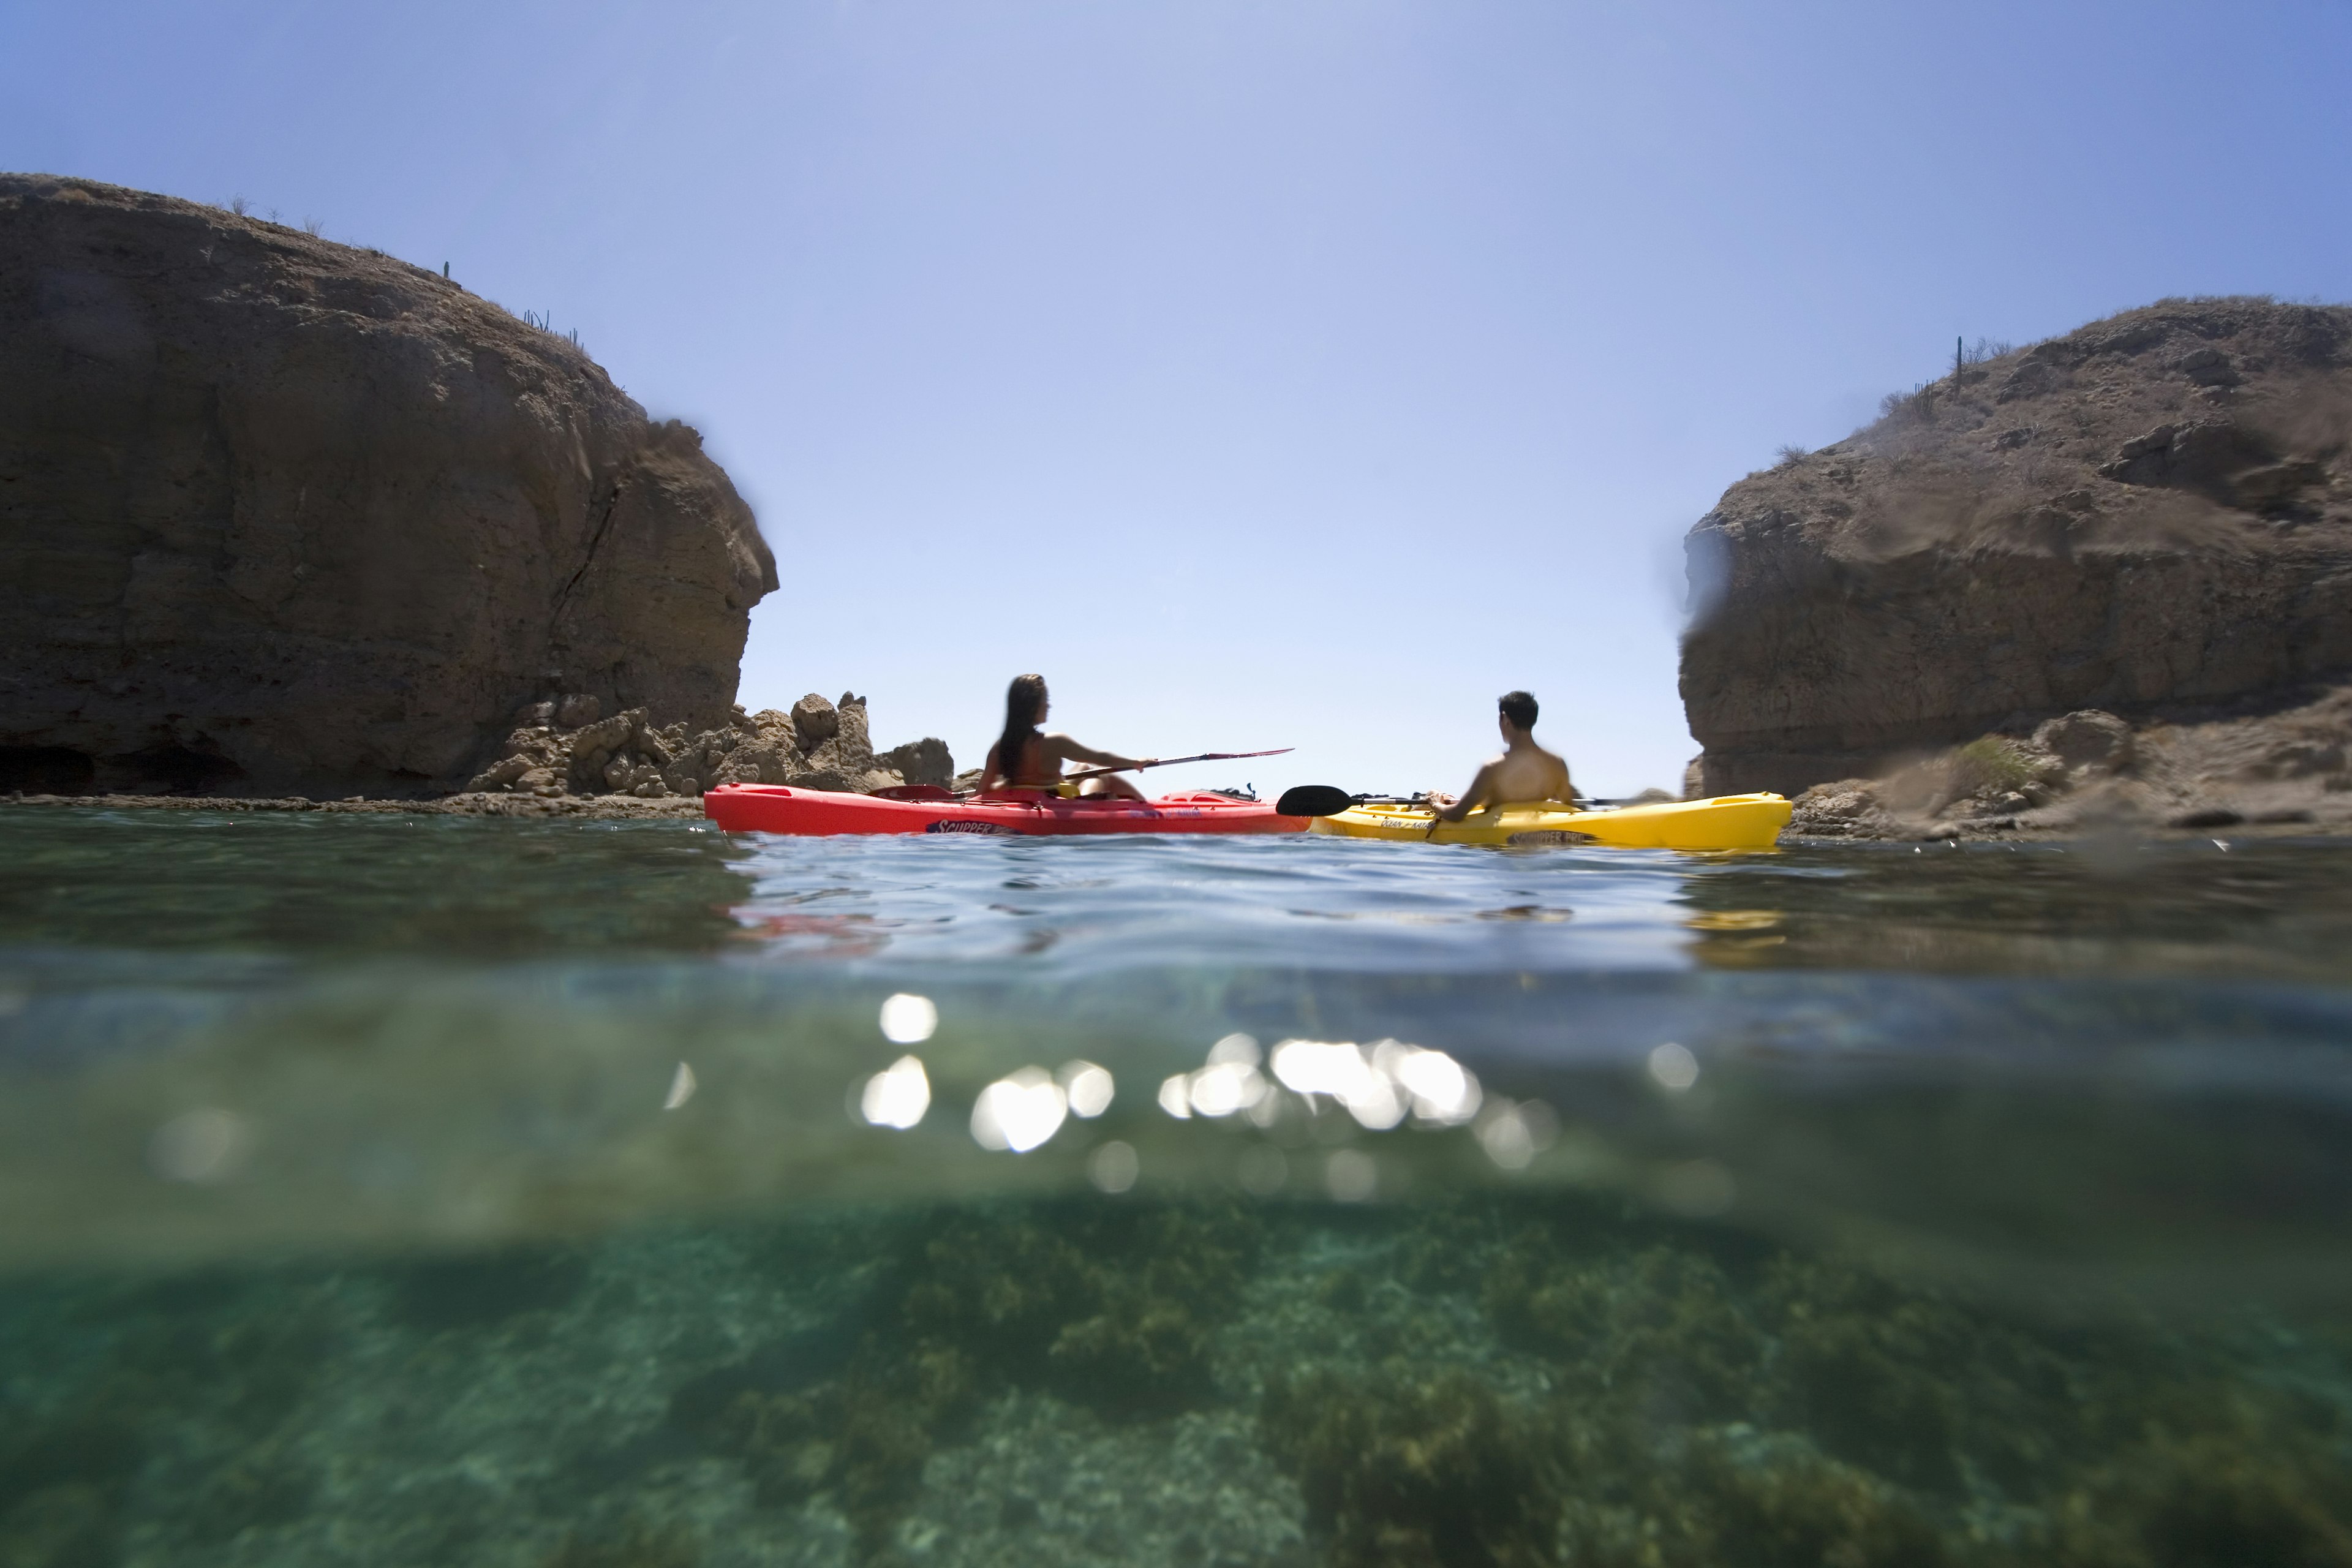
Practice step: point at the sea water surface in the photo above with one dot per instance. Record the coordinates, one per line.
(406, 1189)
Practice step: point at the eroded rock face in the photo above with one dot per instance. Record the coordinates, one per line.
(2153, 509)
(279, 515)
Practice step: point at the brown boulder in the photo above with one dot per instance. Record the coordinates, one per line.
(282, 515)
(2154, 511)
(923, 762)
(2089, 739)
(814, 721)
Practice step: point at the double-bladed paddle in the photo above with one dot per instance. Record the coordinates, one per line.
(1171, 761)
(1328, 800)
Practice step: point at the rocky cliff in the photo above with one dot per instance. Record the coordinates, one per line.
(277, 514)
(2150, 516)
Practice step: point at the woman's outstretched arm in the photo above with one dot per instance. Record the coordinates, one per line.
(1069, 750)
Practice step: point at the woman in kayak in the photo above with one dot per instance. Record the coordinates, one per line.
(1024, 759)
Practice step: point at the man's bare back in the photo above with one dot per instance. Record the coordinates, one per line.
(1523, 773)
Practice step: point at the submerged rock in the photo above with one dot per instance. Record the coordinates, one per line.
(2153, 509)
(286, 515)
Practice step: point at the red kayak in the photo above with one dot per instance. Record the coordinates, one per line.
(774, 808)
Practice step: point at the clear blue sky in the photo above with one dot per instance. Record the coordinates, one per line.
(1270, 372)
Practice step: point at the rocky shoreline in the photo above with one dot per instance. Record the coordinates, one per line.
(2281, 768)
(566, 758)
(471, 804)
(2284, 771)
(567, 748)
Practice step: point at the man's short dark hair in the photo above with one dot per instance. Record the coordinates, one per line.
(1518, 708)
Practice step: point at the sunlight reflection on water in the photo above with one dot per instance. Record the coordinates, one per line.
(461, 1030)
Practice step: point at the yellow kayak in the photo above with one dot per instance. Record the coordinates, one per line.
(1726, 822)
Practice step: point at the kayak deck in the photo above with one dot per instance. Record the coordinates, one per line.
(1725, 822)
(780, 808)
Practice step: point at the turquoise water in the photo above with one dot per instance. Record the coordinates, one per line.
(391, 1190)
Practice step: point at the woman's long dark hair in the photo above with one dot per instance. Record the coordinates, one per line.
(1022, 698)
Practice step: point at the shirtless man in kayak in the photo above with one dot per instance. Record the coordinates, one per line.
(1035, 760)
(1523, 773)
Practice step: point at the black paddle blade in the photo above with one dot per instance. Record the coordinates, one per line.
(1314, 800)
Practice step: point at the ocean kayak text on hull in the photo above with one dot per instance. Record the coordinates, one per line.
(779, 808)
(1726, 822)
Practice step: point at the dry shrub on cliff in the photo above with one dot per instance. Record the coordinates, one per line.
(1918, 403)
(1991, 765)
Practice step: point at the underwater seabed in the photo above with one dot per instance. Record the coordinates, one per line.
(1507, 1379)
(587, 1196)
